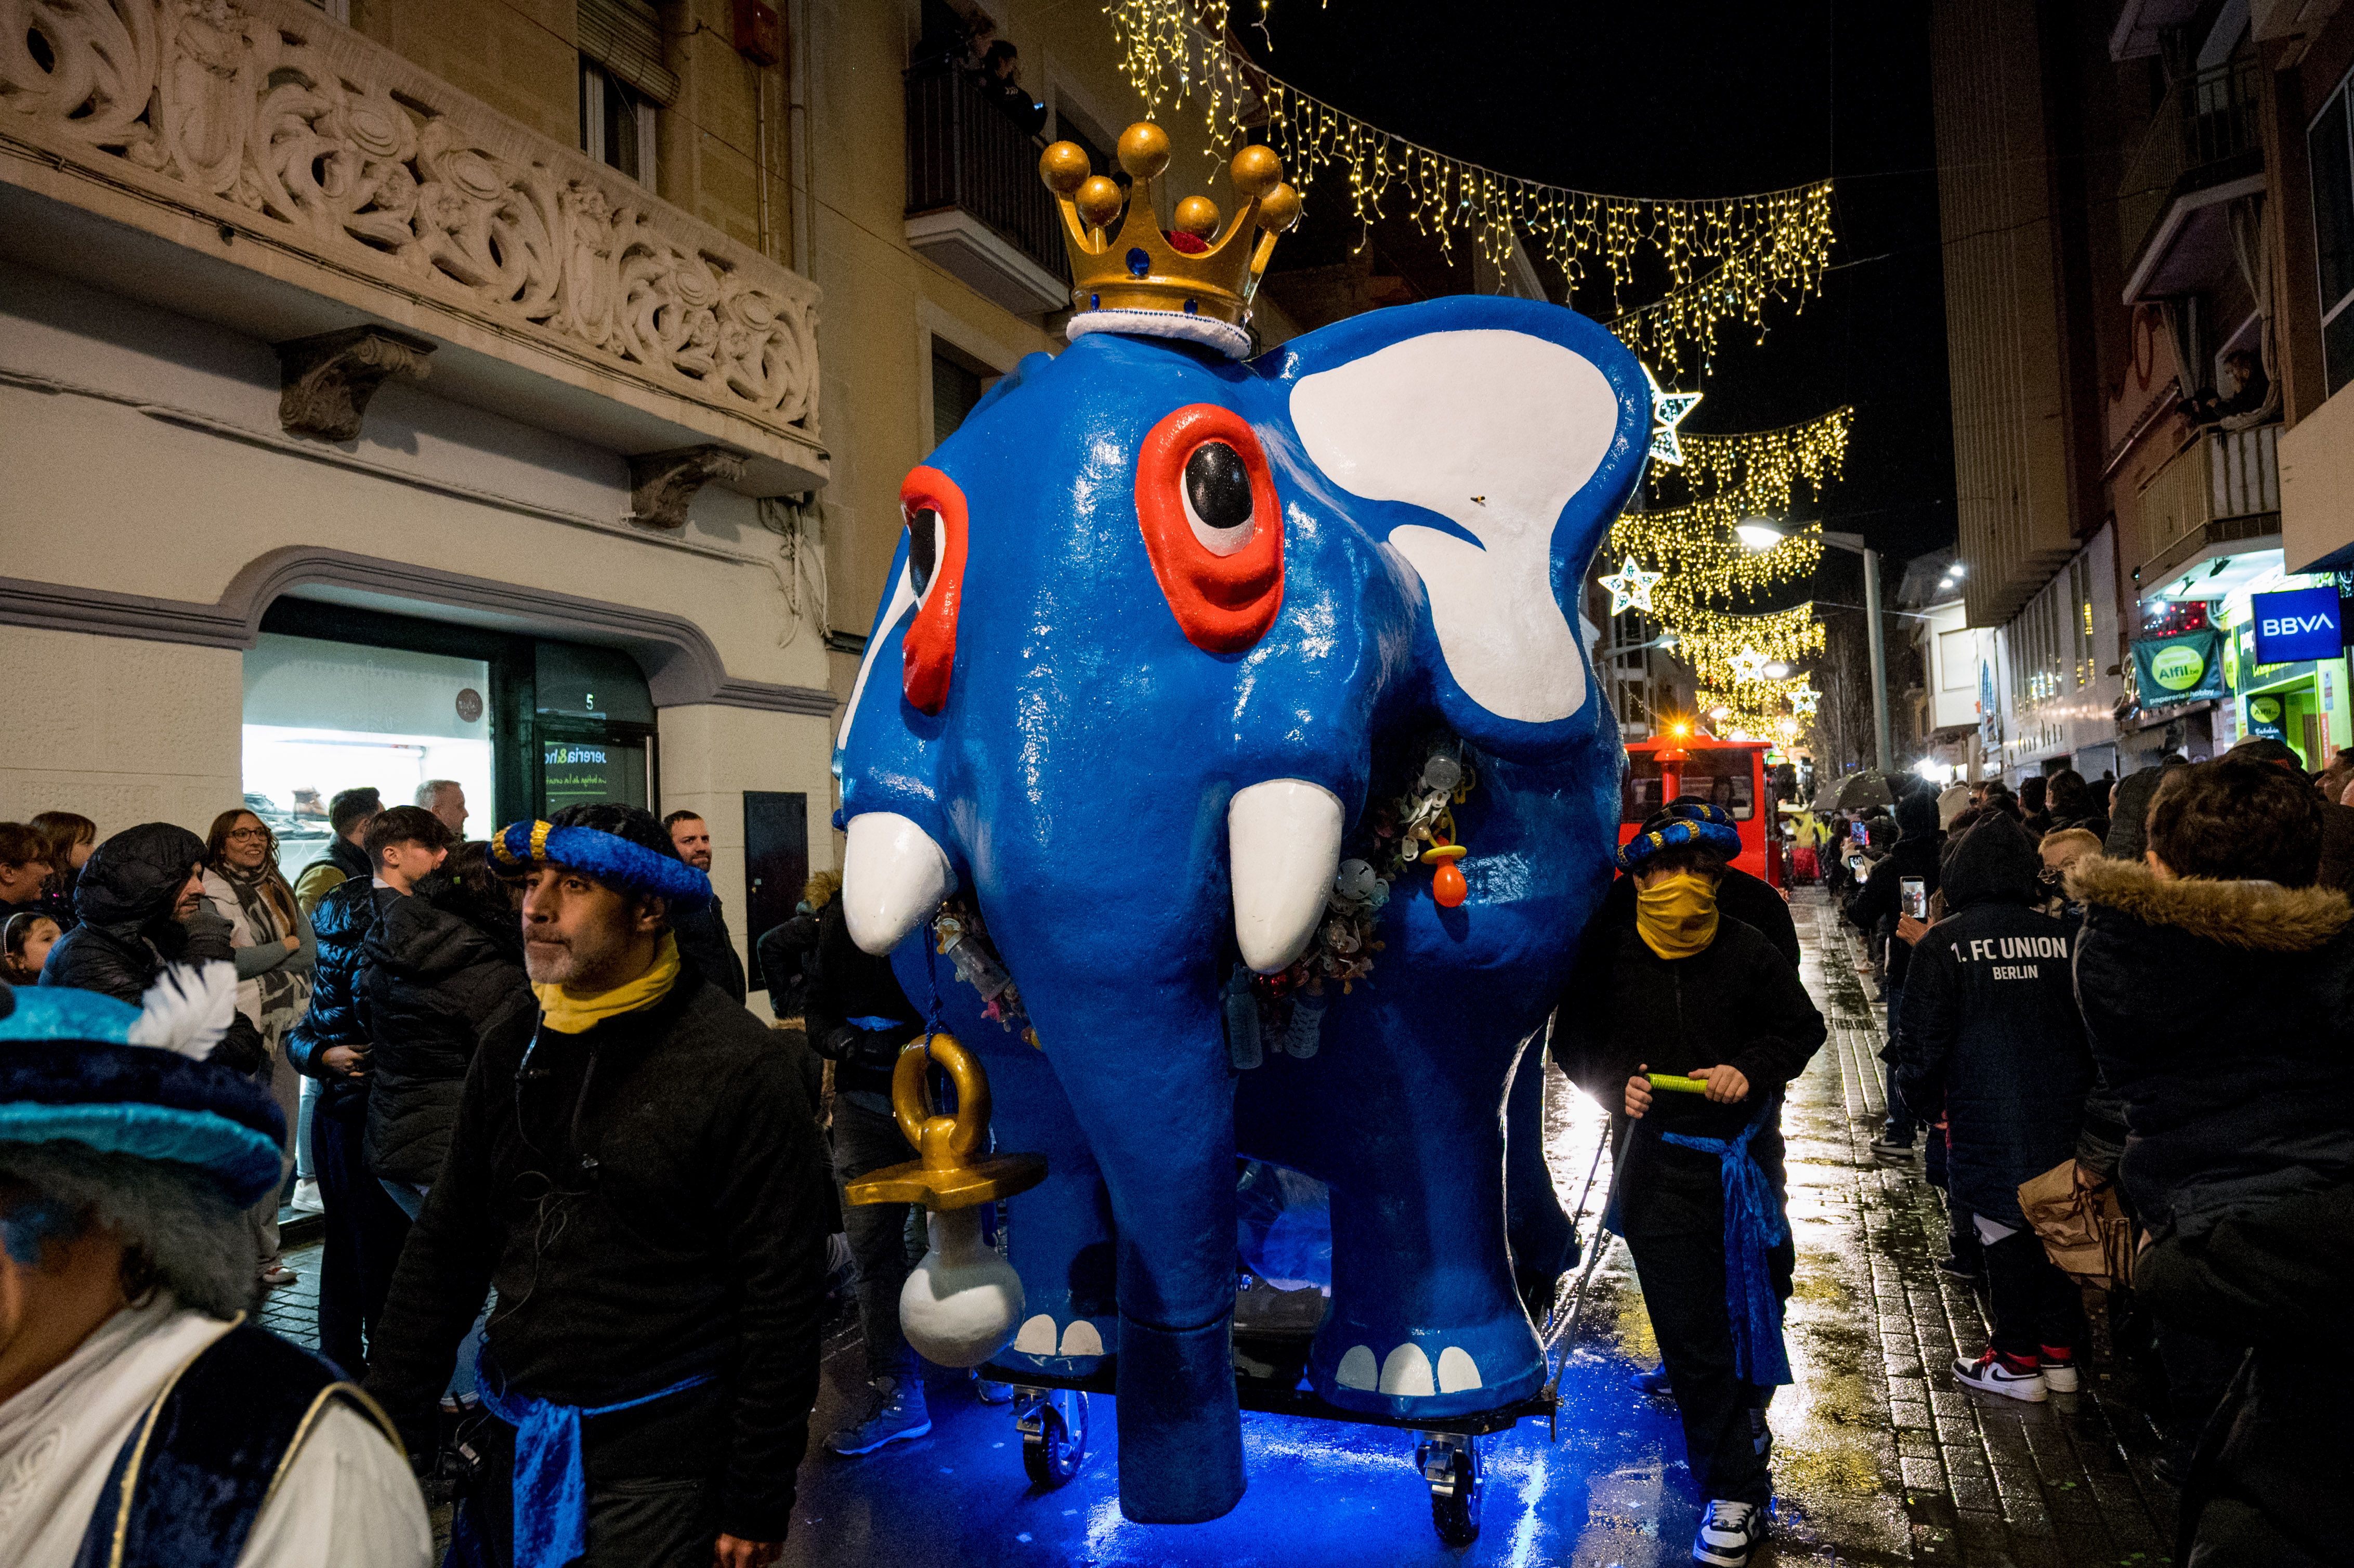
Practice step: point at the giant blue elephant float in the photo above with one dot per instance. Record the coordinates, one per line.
(1172, 634)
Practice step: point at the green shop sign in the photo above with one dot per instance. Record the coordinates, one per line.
(2186, 668)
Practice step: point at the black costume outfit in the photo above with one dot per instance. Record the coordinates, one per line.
(645, 1195)
(1736, 1002)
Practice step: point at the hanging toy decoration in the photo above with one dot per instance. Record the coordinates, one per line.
(963, 1302)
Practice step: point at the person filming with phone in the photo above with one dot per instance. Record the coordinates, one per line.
(1898, 890)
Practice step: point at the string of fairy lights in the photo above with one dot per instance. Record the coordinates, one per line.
(1684, 564)
(1725, 259)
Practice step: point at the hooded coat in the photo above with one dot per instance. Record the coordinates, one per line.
(1990, 1040)
(2223, 1014)
(439, 974)
(127, 933)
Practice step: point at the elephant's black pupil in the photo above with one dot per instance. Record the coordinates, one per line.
(1218, 485)
(923, 548)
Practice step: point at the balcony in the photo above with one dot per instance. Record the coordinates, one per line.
(2212, 497)
(2202, 150)
(256, 164)
(975, 204)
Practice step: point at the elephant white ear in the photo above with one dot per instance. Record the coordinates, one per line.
(1496, 432)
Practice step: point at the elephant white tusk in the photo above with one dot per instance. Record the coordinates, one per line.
(893, 877)
(1284, 836)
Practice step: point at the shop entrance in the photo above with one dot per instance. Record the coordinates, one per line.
(338, 697)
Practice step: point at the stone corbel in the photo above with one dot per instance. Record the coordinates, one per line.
(662, 484)
(328, 379)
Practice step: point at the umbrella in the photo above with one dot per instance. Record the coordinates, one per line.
(1855, 792)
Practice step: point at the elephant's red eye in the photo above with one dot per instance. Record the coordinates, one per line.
(934, 510)
(1213, 526)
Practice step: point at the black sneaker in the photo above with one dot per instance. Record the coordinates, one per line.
(1728, 1534)
(894, 1414)
(1960, 1267)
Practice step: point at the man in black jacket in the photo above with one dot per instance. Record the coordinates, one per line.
(1878, 907)
(442, 972)
(140, 904)
(1993, 1046)
(333, 1045)
(703, 933)
(1690, 987)
(640, 1181)
(858, 1019)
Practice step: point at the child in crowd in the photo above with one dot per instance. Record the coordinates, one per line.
(28, 938)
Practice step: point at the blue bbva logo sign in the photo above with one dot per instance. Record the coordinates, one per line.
(2299, 624)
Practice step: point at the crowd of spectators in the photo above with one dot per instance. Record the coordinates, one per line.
(2124, 1010)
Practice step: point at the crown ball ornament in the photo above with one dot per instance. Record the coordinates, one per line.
(1193, 282)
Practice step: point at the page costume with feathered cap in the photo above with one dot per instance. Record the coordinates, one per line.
(172, 1436)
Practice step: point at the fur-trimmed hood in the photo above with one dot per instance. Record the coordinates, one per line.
(2260, 916)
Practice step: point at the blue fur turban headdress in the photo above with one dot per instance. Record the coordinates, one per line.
(609, 857)
(79, 1067)
(1686, 823)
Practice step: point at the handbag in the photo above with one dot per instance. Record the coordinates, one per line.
(2084, 1230)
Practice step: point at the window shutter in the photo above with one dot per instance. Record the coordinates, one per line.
(625, 37)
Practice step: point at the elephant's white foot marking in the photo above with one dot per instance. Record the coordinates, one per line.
(1457, 1369)
(1037, 1338)
(1406, 1373)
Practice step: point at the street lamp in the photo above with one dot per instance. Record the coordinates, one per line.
(1763, 534)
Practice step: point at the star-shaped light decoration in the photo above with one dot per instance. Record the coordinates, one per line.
(1669, 408)
(1748, 665)
(1803, 700)
(1630, 586)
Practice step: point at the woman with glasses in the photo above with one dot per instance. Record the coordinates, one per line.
(276, 954)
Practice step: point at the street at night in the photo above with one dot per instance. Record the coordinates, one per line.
(1255, 783)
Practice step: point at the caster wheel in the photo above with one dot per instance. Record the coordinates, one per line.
(1055, 1438)
(1454, 1476)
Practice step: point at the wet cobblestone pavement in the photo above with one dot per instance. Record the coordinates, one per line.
(1878, 1458)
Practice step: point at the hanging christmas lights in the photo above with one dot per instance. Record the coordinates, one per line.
(1725, 259)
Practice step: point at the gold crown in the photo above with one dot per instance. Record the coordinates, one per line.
(1140, 269)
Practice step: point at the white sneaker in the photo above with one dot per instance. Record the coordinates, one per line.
(1728, 1534)
(2059, 1374)
(1991, 1374)
(306, 1198)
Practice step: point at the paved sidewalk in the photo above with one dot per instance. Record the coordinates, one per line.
(1982, 1480)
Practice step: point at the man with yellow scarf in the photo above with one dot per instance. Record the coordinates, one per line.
(640, 1178)
(1698, 1189)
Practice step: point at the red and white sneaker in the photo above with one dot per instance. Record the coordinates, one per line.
(2009, 1376)
(2058, 1369)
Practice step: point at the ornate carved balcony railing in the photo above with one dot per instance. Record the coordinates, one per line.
(263, 134)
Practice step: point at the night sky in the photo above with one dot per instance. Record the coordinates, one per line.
(1676, 97)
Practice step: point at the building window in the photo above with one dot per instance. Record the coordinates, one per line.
(617, 124)
(2330, 163)
(959, 382)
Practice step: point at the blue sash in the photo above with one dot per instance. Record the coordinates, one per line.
(551, 1491)
(1754, 1225)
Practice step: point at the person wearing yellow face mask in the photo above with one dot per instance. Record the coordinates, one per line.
(1698, 1190)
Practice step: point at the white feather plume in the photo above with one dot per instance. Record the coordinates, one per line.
(187, 1010)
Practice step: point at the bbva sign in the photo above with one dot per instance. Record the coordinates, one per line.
(2301, 623)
